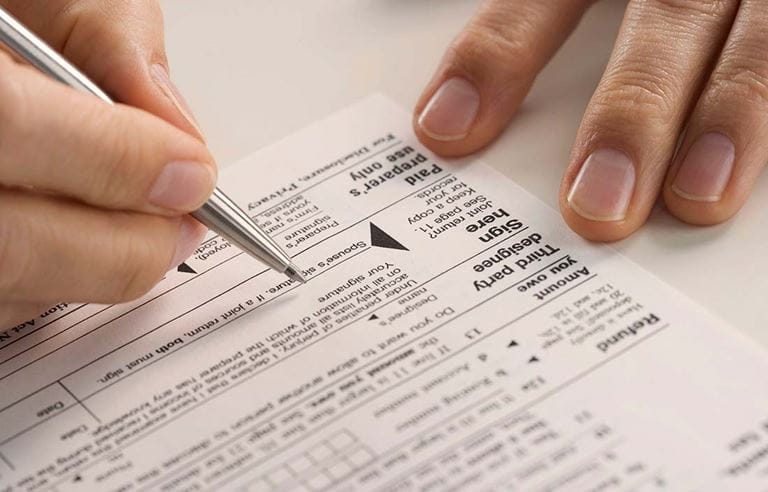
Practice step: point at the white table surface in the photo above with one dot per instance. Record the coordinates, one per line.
(256, 71)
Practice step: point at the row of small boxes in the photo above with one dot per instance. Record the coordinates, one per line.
(318, 467)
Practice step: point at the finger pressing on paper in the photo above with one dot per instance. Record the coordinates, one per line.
(108, 156)
(488, 70)
(55, 250)
(632, 125)
(118, 43)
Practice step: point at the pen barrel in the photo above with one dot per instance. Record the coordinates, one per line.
(28, 46)
(223, 216)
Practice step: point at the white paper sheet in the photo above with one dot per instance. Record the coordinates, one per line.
(454, 335)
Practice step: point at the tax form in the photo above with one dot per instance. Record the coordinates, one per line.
(453, 335)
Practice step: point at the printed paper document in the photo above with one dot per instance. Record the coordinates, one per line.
(453, 335)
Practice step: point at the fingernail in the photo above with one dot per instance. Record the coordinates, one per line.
(451, 111)
(604, 186)
(163, 80)
(191, 234)
(182, 186)
(706, 169)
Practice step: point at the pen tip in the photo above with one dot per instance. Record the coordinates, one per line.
(294, 273)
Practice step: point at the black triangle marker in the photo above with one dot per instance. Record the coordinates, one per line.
(383, 240)
(513, 343)
(533, 359)
(373, 317)
(184, 268)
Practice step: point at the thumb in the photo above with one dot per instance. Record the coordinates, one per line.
(118, 44)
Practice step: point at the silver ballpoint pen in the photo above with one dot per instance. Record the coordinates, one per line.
(219, 213)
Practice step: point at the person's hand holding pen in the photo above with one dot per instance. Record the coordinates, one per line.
(692, 73)
(87, 209)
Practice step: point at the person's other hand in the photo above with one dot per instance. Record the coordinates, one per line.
(93, 197)
(693, 71)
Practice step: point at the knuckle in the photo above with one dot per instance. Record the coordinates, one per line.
(640, 96)
(744, 76)
(486, 46)
(693, 10)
